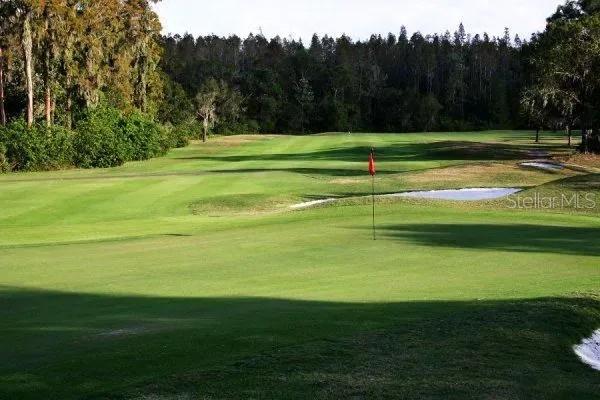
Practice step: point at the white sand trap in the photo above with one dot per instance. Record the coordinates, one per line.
(474, 194)
(451, 194)
(312, 203)
(589, 350)
(546, 166)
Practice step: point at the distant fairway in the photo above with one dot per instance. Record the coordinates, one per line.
(188, 276)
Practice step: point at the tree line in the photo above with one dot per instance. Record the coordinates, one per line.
(398, 83)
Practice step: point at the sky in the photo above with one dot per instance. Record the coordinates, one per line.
(356, 18)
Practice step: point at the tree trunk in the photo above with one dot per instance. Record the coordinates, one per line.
(47, 89)
(27, 43)
(2, 111)
(584, 141)
(69, 108)
(537, 135)
(569, 135)
(204, 130)
(48, 107)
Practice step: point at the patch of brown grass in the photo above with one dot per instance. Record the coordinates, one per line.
(485, 174)
(584, 160)
(237, 140)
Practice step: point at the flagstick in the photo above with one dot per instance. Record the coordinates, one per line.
(374, 234)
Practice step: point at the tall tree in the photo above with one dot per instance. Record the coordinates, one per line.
(2, 109)
(206, 106)
(27, 43)
(305, 98)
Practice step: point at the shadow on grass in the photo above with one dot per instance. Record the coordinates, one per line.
(580, 183)
(67, 346)
(520, 238)
(441, 151)
(305, 171)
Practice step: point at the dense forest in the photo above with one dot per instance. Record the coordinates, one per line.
(393, 84)
(92, 83)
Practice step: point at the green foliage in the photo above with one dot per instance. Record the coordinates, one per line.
(35, 149)
(98, 143)
(107, 138)
(236, 128)
(4, 167)
(175, 108)
(180, 135)
(143, 137)
(382, 84)
(565, 89)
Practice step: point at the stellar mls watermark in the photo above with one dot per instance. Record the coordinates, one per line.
(580, 201)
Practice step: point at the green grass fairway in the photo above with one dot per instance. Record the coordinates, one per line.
(188, 277)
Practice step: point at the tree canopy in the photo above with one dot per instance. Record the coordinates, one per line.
(392, 84)
(565, 77)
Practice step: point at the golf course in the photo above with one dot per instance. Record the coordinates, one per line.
(191, 277)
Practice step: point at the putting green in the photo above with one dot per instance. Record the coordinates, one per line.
(188, 276)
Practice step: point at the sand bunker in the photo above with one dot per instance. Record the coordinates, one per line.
(546, 166)
(312, 203)
(589, 350)
(473, 194)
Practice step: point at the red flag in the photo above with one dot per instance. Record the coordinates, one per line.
(372, 170)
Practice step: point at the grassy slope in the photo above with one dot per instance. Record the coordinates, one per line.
(185, 275)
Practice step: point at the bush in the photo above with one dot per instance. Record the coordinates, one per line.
(35, 149)
(179, 135)
(99, 142)
(104, 138)
(144, 138)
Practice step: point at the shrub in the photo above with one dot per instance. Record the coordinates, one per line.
(104, 138)
(99, 142)
(179, 135)
(60, 147)
(144, 138)
(37, 148)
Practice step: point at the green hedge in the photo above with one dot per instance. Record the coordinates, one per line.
(144, 138)
(37, 148)
(103, 137)
(179, 136)
(98, 142)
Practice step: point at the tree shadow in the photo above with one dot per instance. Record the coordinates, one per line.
(585, 183)
(75, 345)
(518, 237)
(305, 171)
(441, 151)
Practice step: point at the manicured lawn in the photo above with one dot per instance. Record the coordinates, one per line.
(189, 277)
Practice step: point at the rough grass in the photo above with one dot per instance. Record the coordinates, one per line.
(173, 278)
(586, 160)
